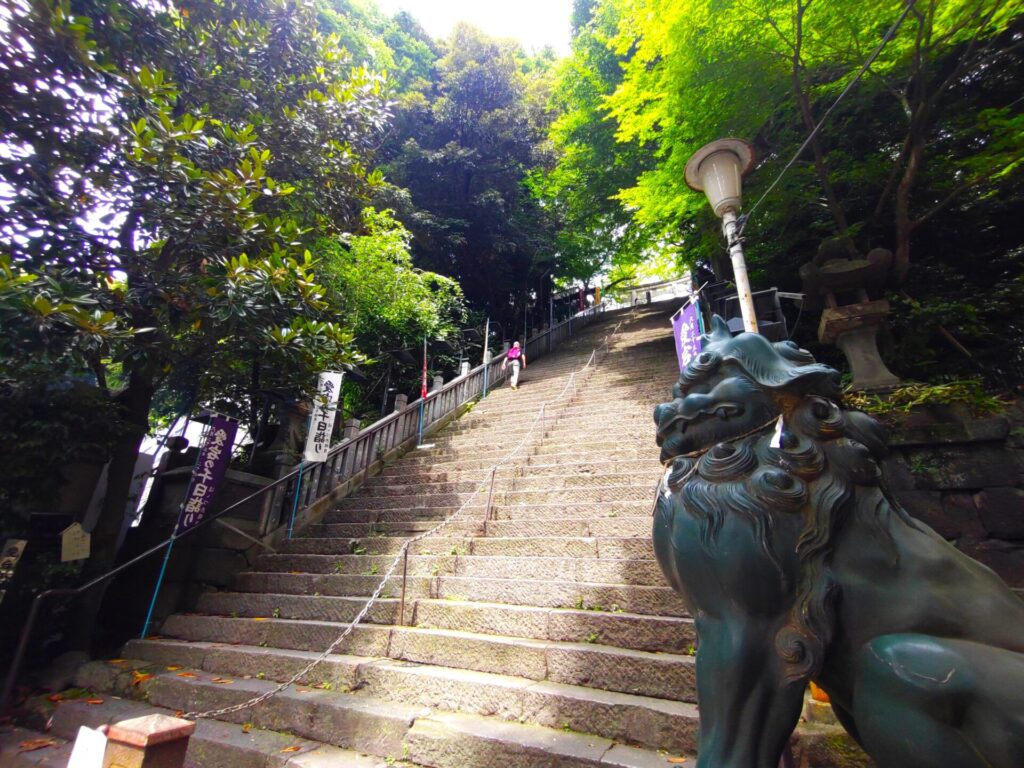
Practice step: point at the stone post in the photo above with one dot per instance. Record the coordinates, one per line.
(465, 368)
(152, 741)
(350, 430)
(438, 383)
(401, 401)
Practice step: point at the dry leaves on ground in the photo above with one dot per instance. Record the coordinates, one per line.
(31, 745)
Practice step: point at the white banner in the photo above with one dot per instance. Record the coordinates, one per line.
(325, 405)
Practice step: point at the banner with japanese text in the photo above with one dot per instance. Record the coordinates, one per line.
(686, 329)
(211, 465)
(321, 425)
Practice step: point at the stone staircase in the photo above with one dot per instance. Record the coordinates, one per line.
(543, 635)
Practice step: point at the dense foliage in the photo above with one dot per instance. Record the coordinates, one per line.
(207, 201)
(923, 156)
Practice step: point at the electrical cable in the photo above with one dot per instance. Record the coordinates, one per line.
(870, 60)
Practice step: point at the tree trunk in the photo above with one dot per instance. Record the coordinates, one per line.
(902, 220)
(820, 168)
(134, 405)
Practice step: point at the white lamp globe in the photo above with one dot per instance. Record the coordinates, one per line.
(718, 169)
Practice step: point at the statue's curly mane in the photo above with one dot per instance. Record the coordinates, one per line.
(825, 469)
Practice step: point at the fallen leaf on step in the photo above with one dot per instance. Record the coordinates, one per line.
(55, 697)
(140, 677)
(94, 702)
(116, 662)
(222, 680)
(292, 748)
(246, 728)
(260, 618)
(677, 760)
(33, 744)
(173, 667)
(186, 674)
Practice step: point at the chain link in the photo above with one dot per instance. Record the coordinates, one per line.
(248, 704)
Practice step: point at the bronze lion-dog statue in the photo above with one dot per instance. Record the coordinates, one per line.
(797, 564)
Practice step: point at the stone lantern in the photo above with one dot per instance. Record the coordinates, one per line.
(842, 284)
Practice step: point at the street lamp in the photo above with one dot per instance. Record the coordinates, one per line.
(717, 169)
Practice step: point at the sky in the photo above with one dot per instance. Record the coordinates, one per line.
(534, 23)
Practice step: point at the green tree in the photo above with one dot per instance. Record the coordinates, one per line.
(164, 198)
(462, 149)
(595, 231)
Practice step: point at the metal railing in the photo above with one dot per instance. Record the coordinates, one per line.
(306, 485)
(353, 456)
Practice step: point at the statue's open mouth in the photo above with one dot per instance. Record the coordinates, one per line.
(708, 414)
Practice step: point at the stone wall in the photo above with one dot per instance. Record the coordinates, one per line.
(964, 476)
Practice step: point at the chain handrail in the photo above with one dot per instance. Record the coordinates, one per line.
(360, 442)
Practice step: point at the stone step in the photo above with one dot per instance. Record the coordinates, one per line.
(524, 480)
(625, 630)
(484, 463)
(650, 600)
(14, 755)
(629, 526)
(627, 717)
(624, 670)
(531, 466)
(474, 509)
(571, 569)
(577, 494)
(550, 546)
(636, 425)
(419, 736)
(635, 504)
(592, 446)
(216, 744)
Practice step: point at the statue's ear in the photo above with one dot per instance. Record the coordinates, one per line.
(719, 330)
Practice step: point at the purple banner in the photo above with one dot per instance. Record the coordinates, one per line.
(210, 468)
(686, 329)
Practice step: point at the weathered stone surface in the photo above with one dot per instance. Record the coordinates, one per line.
(898, 476)
(451, 740)
(61, 671)
(12, 755)
(1002, 512)
(930, 432)
(951, 469)
(1004, 557)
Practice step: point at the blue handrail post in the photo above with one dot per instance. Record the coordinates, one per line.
(295, 502)
(159, 583)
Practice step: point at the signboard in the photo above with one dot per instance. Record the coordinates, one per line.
(321, 424)
(74, 543)
(686, 329)
(211, 465)
(9, 557)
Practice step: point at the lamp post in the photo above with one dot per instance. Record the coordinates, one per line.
(717, 169)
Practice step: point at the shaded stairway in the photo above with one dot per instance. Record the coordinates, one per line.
(535, 631)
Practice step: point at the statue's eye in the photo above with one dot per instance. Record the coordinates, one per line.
(821, 410)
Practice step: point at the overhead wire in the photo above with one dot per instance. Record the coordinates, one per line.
(908, 6)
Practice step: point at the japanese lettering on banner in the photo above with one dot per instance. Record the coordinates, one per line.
(325, 406)
(686, 329)
(209, 472)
